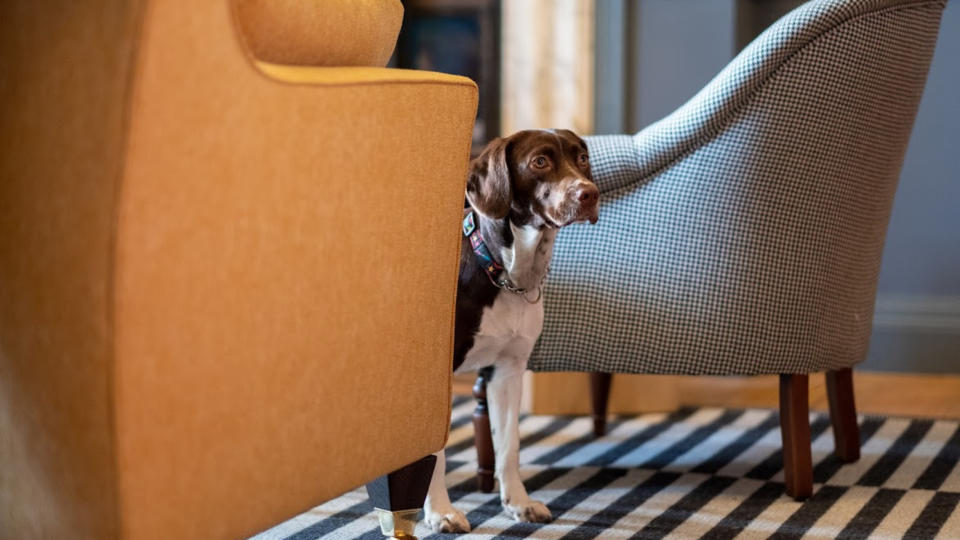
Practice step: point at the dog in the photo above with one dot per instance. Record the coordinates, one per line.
(521, 190)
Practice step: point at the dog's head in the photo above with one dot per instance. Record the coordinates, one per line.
(539, 178)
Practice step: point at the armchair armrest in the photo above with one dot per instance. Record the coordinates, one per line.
(295, 229)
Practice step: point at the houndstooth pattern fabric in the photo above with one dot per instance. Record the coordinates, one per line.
(743, 233)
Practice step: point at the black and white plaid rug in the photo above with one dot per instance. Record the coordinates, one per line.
(694, 473)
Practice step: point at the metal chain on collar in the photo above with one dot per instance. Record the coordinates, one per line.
(504, 283)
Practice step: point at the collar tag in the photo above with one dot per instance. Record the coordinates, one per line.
(469, 225)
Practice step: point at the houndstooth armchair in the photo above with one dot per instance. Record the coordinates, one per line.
(742, 234)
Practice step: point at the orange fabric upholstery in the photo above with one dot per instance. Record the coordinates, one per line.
(226, 286)
(343, 33)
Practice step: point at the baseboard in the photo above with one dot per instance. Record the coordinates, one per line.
(930, 314)
(893, 394)
(915, 334)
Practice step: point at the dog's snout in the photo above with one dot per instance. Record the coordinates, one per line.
(588, 194)
(588, 197)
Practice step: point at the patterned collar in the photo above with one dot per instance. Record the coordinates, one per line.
(487, 262)
(493, 269)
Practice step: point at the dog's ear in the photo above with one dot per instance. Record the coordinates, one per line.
(488, 183)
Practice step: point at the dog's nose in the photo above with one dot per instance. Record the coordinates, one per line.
(588, 195)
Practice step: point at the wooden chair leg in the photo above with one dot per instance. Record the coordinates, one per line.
(599, 397)
(398, 497)
(795, 431)
(482, 438)
(843, 415)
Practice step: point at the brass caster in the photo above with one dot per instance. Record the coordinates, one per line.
(400, 524)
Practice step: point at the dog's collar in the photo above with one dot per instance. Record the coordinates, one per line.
(491, 267)
(487, 262)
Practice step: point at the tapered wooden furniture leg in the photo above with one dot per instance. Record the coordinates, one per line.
(795, 431)
(843, 415)
(481, 433)
(398, 497)
(599, 397)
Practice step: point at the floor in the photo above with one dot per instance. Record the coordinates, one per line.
(691, 473)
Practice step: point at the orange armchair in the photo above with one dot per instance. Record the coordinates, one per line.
(228, 257)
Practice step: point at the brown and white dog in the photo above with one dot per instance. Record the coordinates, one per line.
(521, 190)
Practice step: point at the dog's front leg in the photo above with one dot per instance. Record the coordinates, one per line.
(503, 400)
(439, 514)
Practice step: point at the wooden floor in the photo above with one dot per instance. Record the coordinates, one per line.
(935, 396)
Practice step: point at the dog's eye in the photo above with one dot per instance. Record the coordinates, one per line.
(540, 162)
(584, 159)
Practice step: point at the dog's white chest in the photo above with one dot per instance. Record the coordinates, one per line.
(511, 317)
(508, 330)
(511, 325)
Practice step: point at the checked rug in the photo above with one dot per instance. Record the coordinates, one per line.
(694, 473)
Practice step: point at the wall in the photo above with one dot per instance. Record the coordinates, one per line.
(652, 55)
(917, 326)
(547, 69)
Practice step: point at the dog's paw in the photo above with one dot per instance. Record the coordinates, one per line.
(528, 510)
(449, 521)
